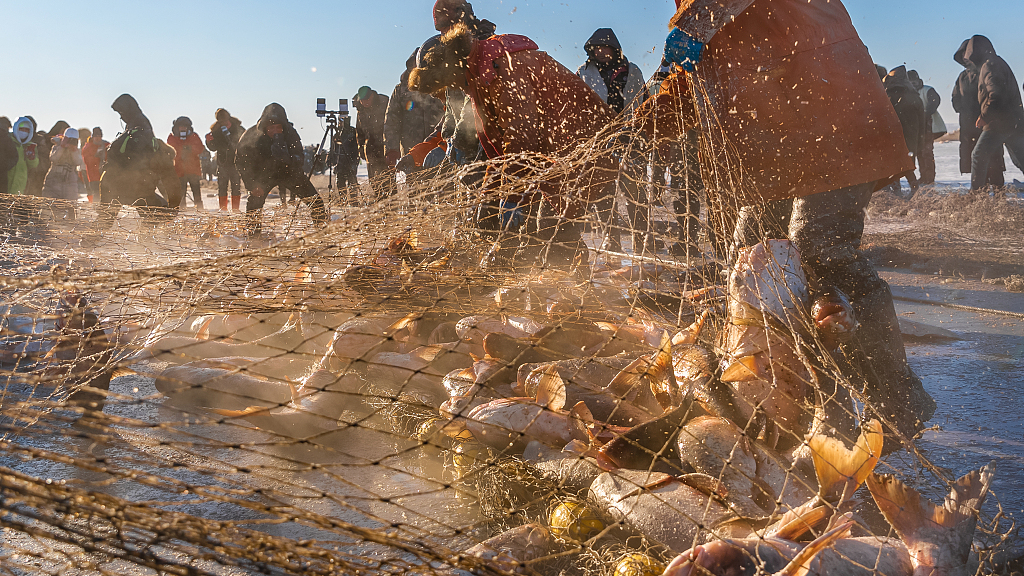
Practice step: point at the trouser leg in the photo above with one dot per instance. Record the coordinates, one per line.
(632, 174)
(254, 210)
(1015, 146)
(926, 158)
(827, 228)
(762, 221)
(990, 142)
(556, 241)
(301, 187)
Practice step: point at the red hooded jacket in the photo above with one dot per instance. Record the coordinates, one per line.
(188, 151)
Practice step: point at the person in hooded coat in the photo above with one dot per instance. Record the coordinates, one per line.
(94, 154)
(799, 132)
(456, 135)
(270, 155)
(188, 164)
(372, 109)
(62, 181)
(138, 164)
(8, 152)
(16, 179)
(620, 83)
(910, 110)
(345, 156)
(934, 127)
(1002, 114)
(44, 143)
(411, 117)
(27, 157)
(223, 139)
(965, 103)
(531, 114)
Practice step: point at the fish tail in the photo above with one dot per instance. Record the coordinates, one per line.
(239, 413)
(915, 519)
(841, 471)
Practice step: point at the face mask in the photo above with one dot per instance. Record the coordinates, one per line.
(183, 134)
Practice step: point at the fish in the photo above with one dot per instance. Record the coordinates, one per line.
(511, 549)
(200, 385)
(713, 499)
(82, 356)
(508, 424)
(938, 538)
(323, 402)
(768, 302)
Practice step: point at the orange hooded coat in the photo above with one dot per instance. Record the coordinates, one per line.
(792, 92)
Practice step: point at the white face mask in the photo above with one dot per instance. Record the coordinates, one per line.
(183, 134)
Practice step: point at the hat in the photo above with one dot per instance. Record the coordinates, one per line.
(448, 13)
(182, 121)
(363, 93)
(71, 134)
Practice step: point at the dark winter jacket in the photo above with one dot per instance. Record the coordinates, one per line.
(908, 105)
(224, 139)
(138, 141)
(346, 150)
(370, 127)
(8, 157)
(263, 160)
(619, 83)
(411, 116)
(965, 91)
(998, 93)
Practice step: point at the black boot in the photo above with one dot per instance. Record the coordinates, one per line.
(877, 352)
(558, 244)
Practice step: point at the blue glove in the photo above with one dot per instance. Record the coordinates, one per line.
(510, 216)
(683, 49)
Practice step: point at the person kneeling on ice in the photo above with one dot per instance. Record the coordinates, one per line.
(270, 154)
(138, 163)
(531, 111)
(793, 97)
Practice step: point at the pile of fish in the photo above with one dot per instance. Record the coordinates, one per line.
(712, 442)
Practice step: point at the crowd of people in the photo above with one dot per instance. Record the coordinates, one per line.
(469, 94)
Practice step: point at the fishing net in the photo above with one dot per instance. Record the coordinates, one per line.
(182, 398)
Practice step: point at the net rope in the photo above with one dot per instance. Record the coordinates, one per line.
(179, 398)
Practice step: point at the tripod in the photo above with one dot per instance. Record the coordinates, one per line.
(332, 130)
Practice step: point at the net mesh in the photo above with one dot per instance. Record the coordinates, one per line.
(180, 398)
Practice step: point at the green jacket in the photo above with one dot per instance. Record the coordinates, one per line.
(17, 177)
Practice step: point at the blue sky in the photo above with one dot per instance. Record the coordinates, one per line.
(69, 60)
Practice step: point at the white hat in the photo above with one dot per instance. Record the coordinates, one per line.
(71, 134)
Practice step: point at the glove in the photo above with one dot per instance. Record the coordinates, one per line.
(683, 49)
(510, 216)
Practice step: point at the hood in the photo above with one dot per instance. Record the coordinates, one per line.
(182, 122)
(602, 37)
(273, 113)
(915, 79)
(959, 58)
(898, 78)
(24, 121)
(126, 105)
(58, 128)
(979, 50)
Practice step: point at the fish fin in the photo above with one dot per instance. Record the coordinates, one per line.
(551, 389)
(414, 239)
(742, 370)
(688, 336)
(706, 484)
(970, 490)
(903, 507)
(800, 565)
(626, 384)
(428, 353)
(203, 331)
(580, 415)
(662, 374)
(841, 471)
(402, 324)
(475, 357)
(239, 413)
(304, 275)
(798, 521)
(122, 371)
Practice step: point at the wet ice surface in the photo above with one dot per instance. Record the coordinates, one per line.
(978, 383)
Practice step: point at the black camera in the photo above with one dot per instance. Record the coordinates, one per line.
(321, 108)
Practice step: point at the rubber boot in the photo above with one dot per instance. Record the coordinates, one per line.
(236, 202)
(223, 201)
(877, 353)
(558, 244)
